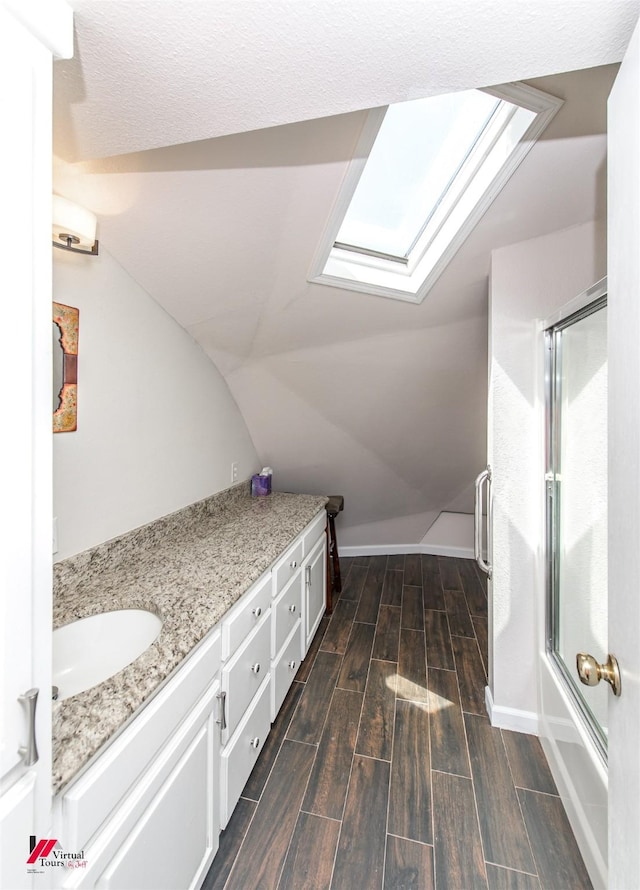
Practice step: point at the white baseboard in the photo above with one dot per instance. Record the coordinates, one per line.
(511, 718)
(389, 549)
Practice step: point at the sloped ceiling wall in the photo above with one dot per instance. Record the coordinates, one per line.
(152, 73)
(382, 401)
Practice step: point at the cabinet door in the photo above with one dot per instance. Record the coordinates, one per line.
(170, 843)
(89, 801)
(315, 578)
(165, 833)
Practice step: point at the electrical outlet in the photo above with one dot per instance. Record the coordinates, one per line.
(55, 534)
(234, 472)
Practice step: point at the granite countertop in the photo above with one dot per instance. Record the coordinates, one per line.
(189, 568)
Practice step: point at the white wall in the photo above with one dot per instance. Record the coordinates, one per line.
(157, 425)
(401, 531)
(529, 281)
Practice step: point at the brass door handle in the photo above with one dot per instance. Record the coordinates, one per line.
(590, 672)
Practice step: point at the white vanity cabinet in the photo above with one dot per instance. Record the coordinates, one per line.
(299, 586)
(148, 811)
(264, 639)
(246, 690)
(145, 815)
(286, 650)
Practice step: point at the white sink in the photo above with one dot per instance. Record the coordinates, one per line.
(91, 650)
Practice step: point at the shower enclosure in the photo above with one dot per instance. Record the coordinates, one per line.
(574, 713)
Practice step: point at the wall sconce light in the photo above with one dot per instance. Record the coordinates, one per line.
(74, 228)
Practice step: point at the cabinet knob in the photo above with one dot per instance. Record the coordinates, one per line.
(257, 611)
(292, 665)
(293, 564)
(256, 667)
(255, 742)
(292, 607)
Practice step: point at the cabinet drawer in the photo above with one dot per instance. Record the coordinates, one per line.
(245, 615)
(90, 799)
(286, 611)
(313, 532)
(239, 756)
(243, 674)
(287, 566)
(284, 670)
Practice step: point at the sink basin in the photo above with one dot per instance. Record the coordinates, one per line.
(91, 650)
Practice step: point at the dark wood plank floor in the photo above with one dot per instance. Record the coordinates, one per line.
(382, 770)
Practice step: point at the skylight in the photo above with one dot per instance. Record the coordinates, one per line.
(424, 173)
(418, 150)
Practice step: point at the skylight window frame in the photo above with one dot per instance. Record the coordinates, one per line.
(374, 273)
(486, 137)
(456, 190)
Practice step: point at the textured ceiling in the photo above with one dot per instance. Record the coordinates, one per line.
(152, 73)
(382, 401)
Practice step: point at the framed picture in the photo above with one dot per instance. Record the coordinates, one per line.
(65, 368)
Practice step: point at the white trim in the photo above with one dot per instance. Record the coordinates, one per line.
(511, 718)
(375, 290)
(350, 182)
(397, 283)
(393, 549)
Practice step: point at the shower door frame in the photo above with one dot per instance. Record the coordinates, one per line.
(592, 301)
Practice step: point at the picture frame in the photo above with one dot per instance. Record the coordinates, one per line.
(66, 322)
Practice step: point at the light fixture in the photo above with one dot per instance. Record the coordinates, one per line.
(74, 228)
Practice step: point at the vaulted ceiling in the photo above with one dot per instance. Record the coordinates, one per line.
(212, 139)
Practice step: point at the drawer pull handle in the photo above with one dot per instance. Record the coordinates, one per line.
(256, 667)
(292, 665)
(29, 752)
(258, 612)
(292, 607)
(307, 573)
(222, 718)
(255, 742)
(293, 564)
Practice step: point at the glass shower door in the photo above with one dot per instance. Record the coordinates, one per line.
(576, 491)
